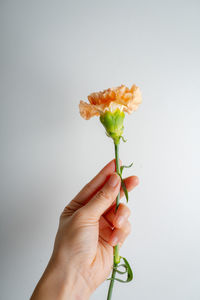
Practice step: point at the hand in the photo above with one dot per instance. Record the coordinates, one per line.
(89, 228)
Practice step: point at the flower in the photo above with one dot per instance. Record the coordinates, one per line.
(110, 105)
(122, 98)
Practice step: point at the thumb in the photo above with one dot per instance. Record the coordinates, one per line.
(103, 198)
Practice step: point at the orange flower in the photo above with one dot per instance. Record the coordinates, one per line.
(121, 97)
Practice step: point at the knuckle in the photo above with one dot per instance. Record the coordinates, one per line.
(66, 212)
(87, 188)
(79, 214)
(102, 194)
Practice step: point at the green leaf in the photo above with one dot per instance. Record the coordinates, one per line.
(124, 189)
(129, 272)
(121, 272)
(122, 168)
(123, 139)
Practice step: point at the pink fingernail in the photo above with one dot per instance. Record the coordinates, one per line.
(114, 241)
(120, 221)
(113, 180)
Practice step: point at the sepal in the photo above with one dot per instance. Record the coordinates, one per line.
(113, 123)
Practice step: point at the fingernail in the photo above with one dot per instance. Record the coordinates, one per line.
(113, 180)
(114, 241)
(120, 221)
(137, 180)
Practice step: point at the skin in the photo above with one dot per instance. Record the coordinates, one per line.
(89, 228)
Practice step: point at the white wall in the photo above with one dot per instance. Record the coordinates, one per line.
(54, 53)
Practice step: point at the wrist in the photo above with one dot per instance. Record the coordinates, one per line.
(60, 283)
(73, 284)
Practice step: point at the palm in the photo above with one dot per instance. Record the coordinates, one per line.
(99, 251)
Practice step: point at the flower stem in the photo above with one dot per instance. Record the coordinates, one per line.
(116, 248)
(112, 282)
(117, 170)
(116, 258)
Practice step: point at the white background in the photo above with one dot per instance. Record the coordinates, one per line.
(54, 53)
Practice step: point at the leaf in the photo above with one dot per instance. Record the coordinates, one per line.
(123, 139)
(129, 272)
(122, 168)
(124, 189)
(121, 272)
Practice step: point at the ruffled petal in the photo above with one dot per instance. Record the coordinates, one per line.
(121, 97)
(87, 110)
(102, 98)
(133, 100)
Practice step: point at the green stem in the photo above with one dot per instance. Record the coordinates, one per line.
(112, 282)
(116, 248)
(116, 259)
(117, 170)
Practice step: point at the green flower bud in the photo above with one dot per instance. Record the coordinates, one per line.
(113, 123)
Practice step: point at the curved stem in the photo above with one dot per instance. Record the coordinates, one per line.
(116, 248)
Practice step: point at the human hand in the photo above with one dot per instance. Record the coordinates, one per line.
(89, 228)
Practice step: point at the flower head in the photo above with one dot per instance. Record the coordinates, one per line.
(110, 105)
(121, 98)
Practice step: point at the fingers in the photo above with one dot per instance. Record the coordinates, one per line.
(92, 187)
(111, 216)
(119, 235)
(95, 185)
(115, 227)
(105, 230)
(118, 218)
(103, 199)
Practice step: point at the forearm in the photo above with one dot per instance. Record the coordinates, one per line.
(60, 284)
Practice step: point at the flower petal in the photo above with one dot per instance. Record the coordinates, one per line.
(121, 97)
(87, 110)
(132, 102)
